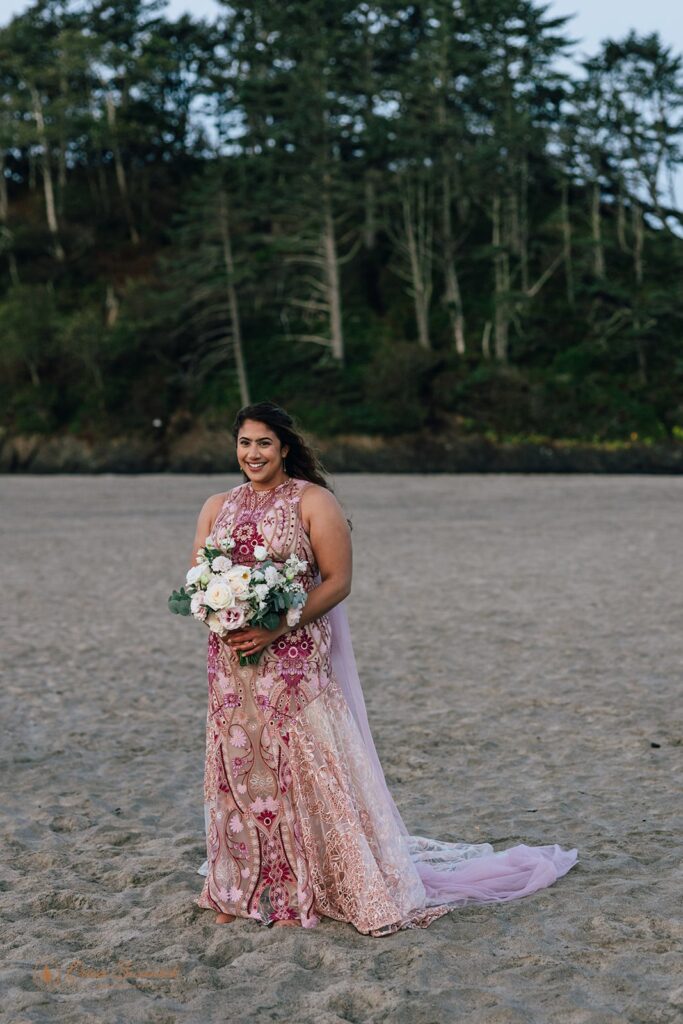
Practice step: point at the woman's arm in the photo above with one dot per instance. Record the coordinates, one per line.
(207, 517)
(330, 537)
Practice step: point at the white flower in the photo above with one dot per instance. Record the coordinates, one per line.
(197, 602)
(260, 553)
(257, 576)
(261, 591)
(219, 594)
(273, 577)
(239, 577)
(293, 616)
(221, 564)
(198, 574)
(232, 618)
(214, 624)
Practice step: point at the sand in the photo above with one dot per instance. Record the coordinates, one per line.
(519, 639)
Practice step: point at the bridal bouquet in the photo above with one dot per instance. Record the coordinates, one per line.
(227, 596)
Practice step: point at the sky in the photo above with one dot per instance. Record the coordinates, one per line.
(595, 19)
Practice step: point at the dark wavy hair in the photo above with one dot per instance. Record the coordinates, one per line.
(301, 460)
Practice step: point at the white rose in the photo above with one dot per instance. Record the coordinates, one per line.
(197, 573)
(219, 594)
(214, 624)
(260, 553)
(221, 564)
(239, 578)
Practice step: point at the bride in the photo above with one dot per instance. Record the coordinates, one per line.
(299, 821)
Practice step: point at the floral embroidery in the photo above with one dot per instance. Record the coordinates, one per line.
(248, 779)
(246, 537)
(297, 826)
(238, 737)
(265, 811)
(235, 823)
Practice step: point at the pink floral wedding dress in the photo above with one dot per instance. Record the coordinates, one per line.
(299, 821)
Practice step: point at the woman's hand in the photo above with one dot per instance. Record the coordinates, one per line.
(252, 639)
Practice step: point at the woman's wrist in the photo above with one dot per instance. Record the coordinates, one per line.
(283, 627)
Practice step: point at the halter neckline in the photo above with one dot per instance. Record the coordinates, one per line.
(269, 490)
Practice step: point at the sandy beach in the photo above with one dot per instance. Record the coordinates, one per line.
(519, 640)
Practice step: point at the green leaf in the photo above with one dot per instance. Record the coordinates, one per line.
(179, 602)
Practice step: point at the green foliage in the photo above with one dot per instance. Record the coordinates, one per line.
(174, 187)
(179, 602)
(398, 386)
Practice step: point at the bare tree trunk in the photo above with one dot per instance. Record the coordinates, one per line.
(33, 373)
(567, 244)
(486, 340)
(638, 263)
(638, 241)
(452, 293)
(111, 305)
(61, 165)
(4, 198)
(501, 267)
(596, 231)
(621, 217)
(50, 210)
(121, 178)
(332, 277)
(524, 222)
(513, 236)
(5, 234)
(232, 299)
(418, 233)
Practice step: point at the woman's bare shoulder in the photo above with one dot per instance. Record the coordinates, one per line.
(214, 503)
(318, 501)
(316, 494)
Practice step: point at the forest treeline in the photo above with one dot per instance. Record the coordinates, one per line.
(385, 216)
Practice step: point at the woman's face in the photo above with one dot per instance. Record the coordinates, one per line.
(259, 452)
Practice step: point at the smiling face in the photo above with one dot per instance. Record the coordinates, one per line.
(260, 454)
